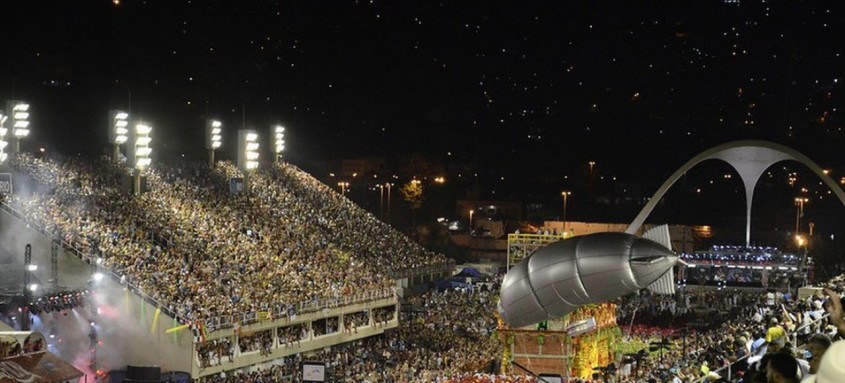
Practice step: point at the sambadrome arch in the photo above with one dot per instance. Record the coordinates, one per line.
(750, 158)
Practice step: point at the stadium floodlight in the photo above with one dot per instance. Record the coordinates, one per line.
(32, 267)
(213, 138)
(278, 134)
(139, 151)
(247, 154)
(141, 146)
(3, 142)
(247, 150)
(18, 114)
(33, 287)
(118, 131)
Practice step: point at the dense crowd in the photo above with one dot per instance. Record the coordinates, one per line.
(732, 330)
(449, 337)
(204, 252)
(446, 337)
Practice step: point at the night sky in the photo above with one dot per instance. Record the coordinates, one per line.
(522, 92)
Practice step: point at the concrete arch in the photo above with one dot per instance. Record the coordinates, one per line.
(750, 158)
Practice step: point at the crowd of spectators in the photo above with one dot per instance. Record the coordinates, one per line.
(204, 252)
(10, 349)
(732, 329)
(257, 341)
(446, 337)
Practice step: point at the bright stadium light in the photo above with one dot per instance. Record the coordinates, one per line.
(33, 287)
(247, 154)
(3, 142)
(118, 131)
(18, 115)
(213, 138)
(139, 151)
(278, 134)
(32, 267)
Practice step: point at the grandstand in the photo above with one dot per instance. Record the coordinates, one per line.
(213, 281)
(741, 266)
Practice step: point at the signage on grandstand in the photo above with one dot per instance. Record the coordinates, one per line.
(6, 183)
(581, 327)
(313, 372)
(236, 185)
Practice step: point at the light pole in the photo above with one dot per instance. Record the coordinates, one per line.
(213, 138)
(799, 203)
(389, 186)
(343, 186)
(140, 152)
(471, 212)
(278, 141)
(3, 142)
(19, 114)
(247, 154)
(118, 131)
(28, 288)
(565, 194)
(381, 201)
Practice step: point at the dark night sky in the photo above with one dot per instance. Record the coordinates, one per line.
(519, 90)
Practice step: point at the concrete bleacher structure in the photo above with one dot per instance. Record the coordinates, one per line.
(154, 345)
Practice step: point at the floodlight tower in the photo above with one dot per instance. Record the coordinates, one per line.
(247, 154)
(3, 142)
(18, 112)
(278, 134)
(213, 138)
(118, 131)
(140, 152)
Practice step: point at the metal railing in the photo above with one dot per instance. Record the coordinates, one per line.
(433, 269)
(284, 311)
(793, 338)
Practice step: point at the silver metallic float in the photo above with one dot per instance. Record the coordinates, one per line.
(563, 276)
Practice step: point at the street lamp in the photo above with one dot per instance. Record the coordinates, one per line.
(118, 131)
(343, 186)
(278, 141)
(565, 194)
(18, 112)
(799, 203)
(213, 138)
(380, 201)
(247, 154)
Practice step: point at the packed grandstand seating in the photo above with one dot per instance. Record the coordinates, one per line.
(203, 252)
